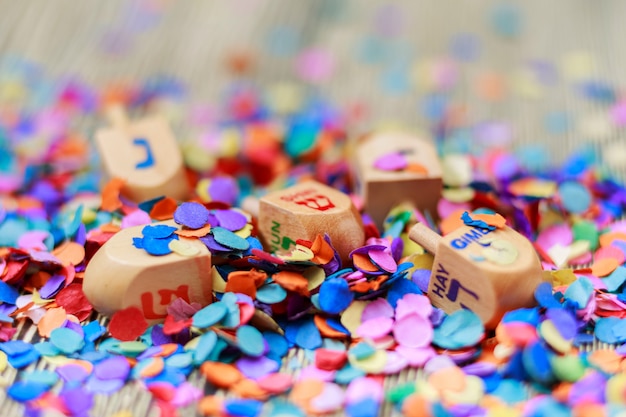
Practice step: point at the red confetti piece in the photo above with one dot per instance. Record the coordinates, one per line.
(171, 326)
(128, 324)
(73, 300)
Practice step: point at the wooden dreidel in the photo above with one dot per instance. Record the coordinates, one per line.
(120, 275)
(394, 167)
(486, 271)
(145, 154)
(305, 210)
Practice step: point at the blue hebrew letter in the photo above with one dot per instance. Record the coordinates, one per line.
(149, 160)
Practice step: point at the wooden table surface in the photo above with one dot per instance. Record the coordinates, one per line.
(103, 41)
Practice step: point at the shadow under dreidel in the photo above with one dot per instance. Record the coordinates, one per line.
(395, 167)
(144, 153)
(486, 271)
(305, 210)
(121, 275)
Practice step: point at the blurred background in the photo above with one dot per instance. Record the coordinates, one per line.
(542, 77)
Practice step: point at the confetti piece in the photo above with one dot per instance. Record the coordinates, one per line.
(66, 340)
(192, 215)
(127, 324)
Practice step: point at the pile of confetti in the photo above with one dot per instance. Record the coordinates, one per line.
(295, 332)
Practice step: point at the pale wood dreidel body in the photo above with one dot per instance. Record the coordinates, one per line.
(120, 275)
(305, 210)
(145, 154)
(394, 167)
(487, 272)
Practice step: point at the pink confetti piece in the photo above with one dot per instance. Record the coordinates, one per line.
(313, 372)
(315, 65)
(375, 328)
(416, 357)
(33, 240)
(380, 307)
(384, 260)
(395, 363)
(393, 161)
(556, 234)
(136, 218)
(331, 399)
(364, 387)
(413, 304)
(413, 331)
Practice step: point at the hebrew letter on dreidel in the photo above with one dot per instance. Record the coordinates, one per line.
(306, 210)
(145, 154)
(148, 161)
(486, 271)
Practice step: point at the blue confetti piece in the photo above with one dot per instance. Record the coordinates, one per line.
(579, 292)
(462, 328)
(24, 359)
(336, 325)
(467, 219)
(545, 297)
(348, 373)
(281, 408)
(210, 315)
(362, 350)
(526, 315)
(271, 293)
(93, 330)
(66, 340)
(615, 279)
(205, 346)
(610, 330)
(575, 197)
(243, 407)
(8, 294)
(277, 343)
(335, 295)
(308, 336)
(399, 288)
(506, 20)
(46, 349)
(157, 246)
(366, 407)
(23, 391)
(179, 360)
(227, 238)
(536, 360)
(232, 317)
(159, 231)
(48, 378)
(15, 347)
(250, 341)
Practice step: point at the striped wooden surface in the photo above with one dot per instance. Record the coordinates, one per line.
(103, 41)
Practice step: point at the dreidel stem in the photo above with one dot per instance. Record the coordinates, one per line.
(117, 116)
(425, 237)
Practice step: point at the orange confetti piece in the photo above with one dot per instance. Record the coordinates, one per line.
(221, 375)
(154, 367)
(167, 349)
(450, 378)
(241, 282)
(496, 219)
(608, 238)
(201, 232)
(326, 330)
(363, 262)
(292, 281)
(109, 228)
(211, 406)
(111, 195)
(248, 388)
(452, 222)
(606, 359)
(70, 253)
(603, 267)
(164, 209)
(323, 252)
(53, 319)
(416, 405)
(416, 168)
(304, 391)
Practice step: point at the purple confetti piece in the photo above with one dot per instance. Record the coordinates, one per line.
(224, 189)
(100, 386)
(230, 219)
(191, 214)
(77, 400)
(52, 286)
(116, 367)
(213, 246)
(256, 368)
(72, 373)
(394, 161)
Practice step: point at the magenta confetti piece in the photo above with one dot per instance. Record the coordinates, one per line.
(384, 260)
(413, 303)
(416, 357)
(364, 387)
(313, 372)
(379, 307)
(375, 328)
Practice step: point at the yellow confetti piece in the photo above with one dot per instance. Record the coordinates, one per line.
(183, 248)
(459, 195)
(373, 364)
(457, 170)
(3, 361)
(202, 189)
(38, 300)
(577, 65)
(472, 394)
(299, 254)
(615, 387)
(192, 344)
(123, 413)
(57, 360)
(562, 277)
(89, 216)
(315, 276)
(285, 97)
(197, 158)
(501, 252)
(245, 231)
(423, 388)
(351, 317)
(503, 411)
(532, 187)
(553, 337)
(410, 247)
(230, 142)
(219, 285)
(525, 84)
